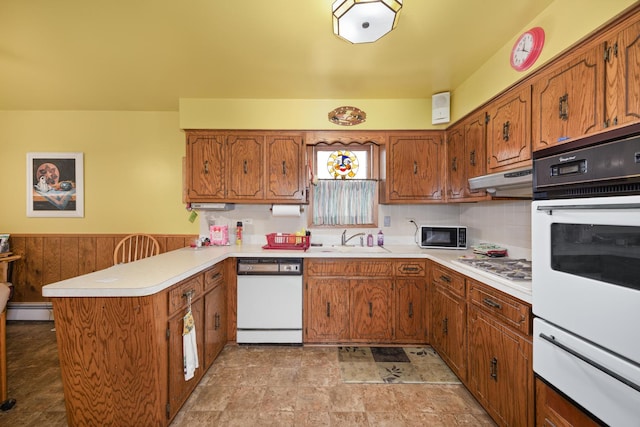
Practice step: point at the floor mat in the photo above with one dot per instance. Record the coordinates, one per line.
(370, 365)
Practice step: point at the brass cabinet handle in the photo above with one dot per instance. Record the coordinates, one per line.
(410, 310)
(245, 167)
(328, 309)
(454, 164)
(492, 303)
(505, 130)
(216, 321)
(563, 105)
(494, 369)
(415, 167)
(206, 167)
(284, 167)
(370, 309)
(472, 157)
(445, 279)
(445, 326)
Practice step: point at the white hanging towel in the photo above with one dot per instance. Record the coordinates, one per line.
(189, 346)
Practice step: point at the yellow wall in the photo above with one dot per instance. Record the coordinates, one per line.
(301, 113)
(133, 160)
(565, 22)
(132, 170)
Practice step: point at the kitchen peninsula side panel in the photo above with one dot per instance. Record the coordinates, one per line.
(111, 356)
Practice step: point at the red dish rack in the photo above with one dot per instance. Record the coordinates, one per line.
(287, 241)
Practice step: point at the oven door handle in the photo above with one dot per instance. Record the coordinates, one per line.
(549, 209)
(551, 339)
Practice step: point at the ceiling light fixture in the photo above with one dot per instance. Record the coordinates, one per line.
(365, 21)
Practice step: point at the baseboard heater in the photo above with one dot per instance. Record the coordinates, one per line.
(29, 311)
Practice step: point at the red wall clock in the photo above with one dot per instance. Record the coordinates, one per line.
(527, 49)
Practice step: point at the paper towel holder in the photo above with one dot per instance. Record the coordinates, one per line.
(301, 208)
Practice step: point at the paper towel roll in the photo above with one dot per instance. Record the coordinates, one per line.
(285, 210)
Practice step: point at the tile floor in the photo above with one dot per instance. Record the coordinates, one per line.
(247, 386)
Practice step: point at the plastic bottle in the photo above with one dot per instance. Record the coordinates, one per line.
(370, 239)
(239, 233)
(380, 238)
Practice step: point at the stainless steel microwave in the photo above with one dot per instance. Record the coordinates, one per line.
(443, 237)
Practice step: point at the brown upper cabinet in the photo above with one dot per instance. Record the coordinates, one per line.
(591, 89)
(566, 99)
(509, 130)
(414, 167)
(466, 142)
(622, 70)
(245, 166)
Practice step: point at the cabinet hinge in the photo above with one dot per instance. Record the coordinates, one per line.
(168, 410)
(487, 118)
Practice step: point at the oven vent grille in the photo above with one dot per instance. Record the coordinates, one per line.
(604, 190)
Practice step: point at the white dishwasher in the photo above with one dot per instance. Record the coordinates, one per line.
(269, 301)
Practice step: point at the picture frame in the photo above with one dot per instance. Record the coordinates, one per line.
(55, 184)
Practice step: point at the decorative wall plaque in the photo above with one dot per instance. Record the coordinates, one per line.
(347, 116)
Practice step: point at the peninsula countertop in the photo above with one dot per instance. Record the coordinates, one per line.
(152, 275)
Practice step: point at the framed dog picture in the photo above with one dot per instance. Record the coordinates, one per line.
(55, 185)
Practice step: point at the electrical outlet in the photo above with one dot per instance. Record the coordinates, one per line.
(247, 221)
(387, 221)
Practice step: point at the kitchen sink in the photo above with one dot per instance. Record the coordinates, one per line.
(349, 249)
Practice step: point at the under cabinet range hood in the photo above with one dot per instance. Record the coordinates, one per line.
(513, 183)
(213, 206)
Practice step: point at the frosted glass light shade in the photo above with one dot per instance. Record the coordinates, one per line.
(364, 21)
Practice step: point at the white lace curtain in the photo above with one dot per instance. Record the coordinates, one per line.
(344, 202)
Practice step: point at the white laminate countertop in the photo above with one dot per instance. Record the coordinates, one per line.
(152, 275)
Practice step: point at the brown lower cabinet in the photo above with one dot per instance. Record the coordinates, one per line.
(367, 301)
(553, 410)
(449, 318)
(484, 336)
(121, 358)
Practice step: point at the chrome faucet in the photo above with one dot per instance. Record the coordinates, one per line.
(345, 239)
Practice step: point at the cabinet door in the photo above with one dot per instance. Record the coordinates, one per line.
(205, 166)
(410, 314)
(246, 167)
(552, 409)
(285, 168)
(326, 310)
(448, 329)
(475, 147)
(509, 131)
(215, 314)
(370, 301)
(566, 101)
(456, 177)
(416, 168)
(500, 370)
(179, 389)
(622, 85)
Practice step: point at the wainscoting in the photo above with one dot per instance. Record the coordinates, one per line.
(50, 258)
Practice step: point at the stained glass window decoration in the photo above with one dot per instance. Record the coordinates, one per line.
(343, 164)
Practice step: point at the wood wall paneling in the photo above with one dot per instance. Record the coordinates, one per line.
(50, 258)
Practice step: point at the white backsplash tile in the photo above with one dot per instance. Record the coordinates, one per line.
(507, 223)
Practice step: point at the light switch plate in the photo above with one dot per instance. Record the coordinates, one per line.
(387, 221)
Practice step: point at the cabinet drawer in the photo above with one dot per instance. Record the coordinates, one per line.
(448, 279)
(411, 268)
(213, 277)
(505, 308)
(350, 267)
(178, 293)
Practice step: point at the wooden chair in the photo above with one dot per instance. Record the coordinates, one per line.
(134, 247)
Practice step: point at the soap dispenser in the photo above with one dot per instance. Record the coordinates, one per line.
(380, 238)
